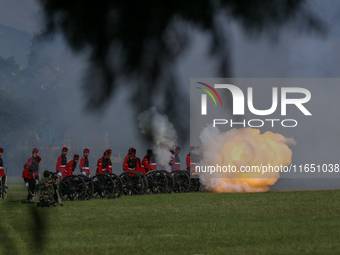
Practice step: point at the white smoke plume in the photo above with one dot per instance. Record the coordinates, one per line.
(161, 132)
(243, 147)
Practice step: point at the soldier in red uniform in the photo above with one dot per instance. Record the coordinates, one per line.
(29, 162)
(71, 166)
(133, 163)
(2, 172)
(152, 162)
(28, 174)
(131, 150)
(84, 163)
(176, 162)
(145, 167)
(110, 163)
(188, 160)
(138, 159)
(62, 162)
(194, 158)
(36, 173)
(103, 163)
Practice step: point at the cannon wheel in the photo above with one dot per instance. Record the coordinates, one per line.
(170, 179)
(133, 183)
(196, 184)
(103, 186)
(118, 184)
(145, 182)
(182, 181)
(157, 182)
(72, 187)
(89, 185)
(199, 186)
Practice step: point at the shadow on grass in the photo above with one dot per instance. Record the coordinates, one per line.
(32, 223)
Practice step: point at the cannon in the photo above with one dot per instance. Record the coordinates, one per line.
(195, 182)
(73, 187)
(182, 181)
(170, 179)
(89, 185)
(133, 183)
(145, 183)
(118, 191)
(103, 186)
(110, 185)
(157, 182)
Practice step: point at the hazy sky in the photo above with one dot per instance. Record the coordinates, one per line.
(21, 14)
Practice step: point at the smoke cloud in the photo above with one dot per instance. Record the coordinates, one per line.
(161, 132)
(243, 147)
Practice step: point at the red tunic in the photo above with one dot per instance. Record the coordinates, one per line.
(129, 168)
(125, 160)
(25, 173)
(188, 161)
(83, 168)
(27, 165)
(59, 166)
(145, 167)
(102, 169)
(191, 165)
(68, 169)
(28, 175)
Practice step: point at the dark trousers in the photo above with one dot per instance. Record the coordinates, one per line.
(31, 187)
(2, 183)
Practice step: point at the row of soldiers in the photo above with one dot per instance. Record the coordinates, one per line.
(131, 162)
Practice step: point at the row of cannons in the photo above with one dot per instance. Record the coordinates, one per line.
(79, 187)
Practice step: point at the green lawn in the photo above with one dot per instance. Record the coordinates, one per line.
(197, 223)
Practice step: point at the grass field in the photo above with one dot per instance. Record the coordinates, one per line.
(198, 223)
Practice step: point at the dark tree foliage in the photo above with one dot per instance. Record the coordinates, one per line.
(13, 114)
(29, 98)
(137, 42)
